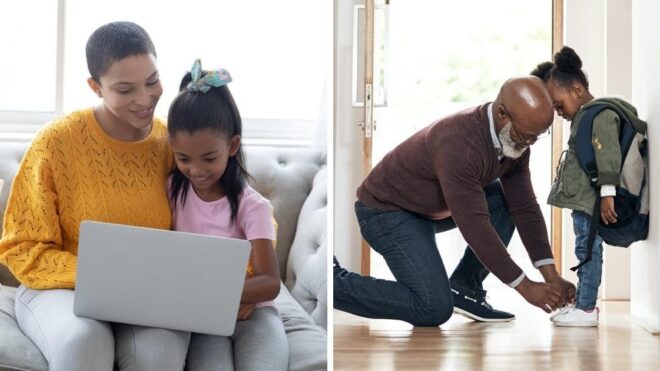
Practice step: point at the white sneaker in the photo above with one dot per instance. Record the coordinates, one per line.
(577, 318)
(562, 310)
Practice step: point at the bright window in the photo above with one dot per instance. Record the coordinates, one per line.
(27, 67)
(278, 53)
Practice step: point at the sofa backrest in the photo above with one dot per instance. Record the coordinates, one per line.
(283, 175)
(307, 263)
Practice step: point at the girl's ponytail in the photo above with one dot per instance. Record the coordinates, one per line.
(568, 68)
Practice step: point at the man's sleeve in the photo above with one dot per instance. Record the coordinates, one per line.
(526, 213)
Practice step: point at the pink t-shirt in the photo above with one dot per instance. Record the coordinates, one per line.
(254, 219)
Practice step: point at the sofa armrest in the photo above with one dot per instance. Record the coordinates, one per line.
(306, 276)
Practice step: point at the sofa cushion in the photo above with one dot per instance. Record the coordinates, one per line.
(307, 341)
(17, 352)
(307, 257)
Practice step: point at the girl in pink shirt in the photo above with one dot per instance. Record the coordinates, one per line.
(210, 195)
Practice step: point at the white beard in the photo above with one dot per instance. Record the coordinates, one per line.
(509, 148)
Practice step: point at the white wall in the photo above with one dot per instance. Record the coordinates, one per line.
(645, 259)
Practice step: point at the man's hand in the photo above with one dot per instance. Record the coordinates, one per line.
(542, 295)
(245, 311)
(607, 213)
(566, 289)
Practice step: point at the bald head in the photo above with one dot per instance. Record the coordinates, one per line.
(527, 102)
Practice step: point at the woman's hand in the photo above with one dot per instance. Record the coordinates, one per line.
(607, 213)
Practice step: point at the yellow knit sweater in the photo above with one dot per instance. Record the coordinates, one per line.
(72, 172)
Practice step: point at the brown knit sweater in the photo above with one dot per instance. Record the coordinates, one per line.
(441, 171)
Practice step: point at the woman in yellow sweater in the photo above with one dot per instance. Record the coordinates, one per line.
(107, 163)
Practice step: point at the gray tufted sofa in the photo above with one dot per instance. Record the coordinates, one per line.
(294, 179)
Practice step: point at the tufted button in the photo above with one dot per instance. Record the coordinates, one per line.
(282, 162)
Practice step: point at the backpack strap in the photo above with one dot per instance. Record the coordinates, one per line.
(592, 233)
(584, 152)
(584, 149)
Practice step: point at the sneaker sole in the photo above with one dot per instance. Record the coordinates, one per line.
(576, 324)
(477, 318)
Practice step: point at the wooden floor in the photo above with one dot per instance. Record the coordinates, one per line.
(530, 342)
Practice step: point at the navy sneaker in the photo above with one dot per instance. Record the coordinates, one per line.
(477, 308)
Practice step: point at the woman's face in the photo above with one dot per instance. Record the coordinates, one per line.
(130, 90)
(565, 100)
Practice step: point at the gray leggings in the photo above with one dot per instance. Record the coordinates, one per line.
(72, 343)
(259, 343)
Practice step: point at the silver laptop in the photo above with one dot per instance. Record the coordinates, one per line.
(159, 278)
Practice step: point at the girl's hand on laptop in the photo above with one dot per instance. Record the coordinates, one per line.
(245, 311)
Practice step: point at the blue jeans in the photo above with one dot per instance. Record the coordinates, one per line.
(421, 294)
(589, 274)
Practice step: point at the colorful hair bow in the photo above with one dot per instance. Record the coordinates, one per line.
(216, 78)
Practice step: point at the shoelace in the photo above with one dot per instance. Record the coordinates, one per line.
(483, 300)
(485, 303)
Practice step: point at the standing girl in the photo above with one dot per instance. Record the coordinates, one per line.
(210, 195)
(569, 90)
